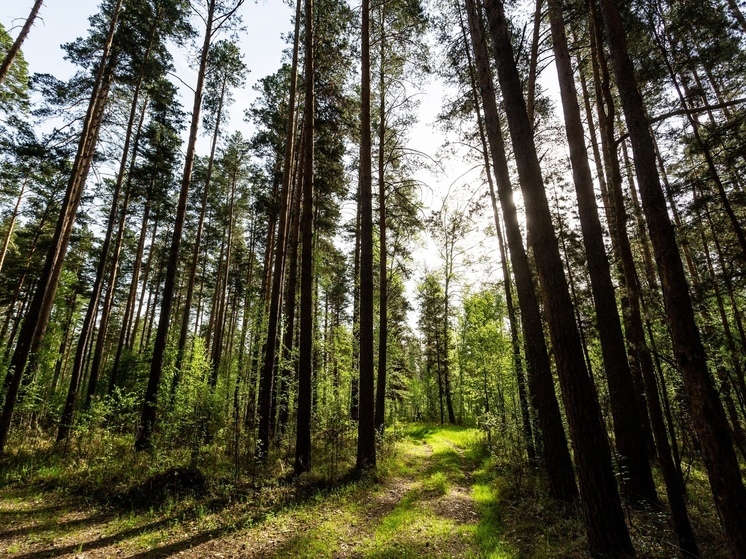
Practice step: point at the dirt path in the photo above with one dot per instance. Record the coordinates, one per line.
(424, 508)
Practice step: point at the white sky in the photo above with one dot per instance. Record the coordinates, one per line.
(265, 22)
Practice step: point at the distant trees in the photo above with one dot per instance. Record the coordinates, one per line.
(266, 287)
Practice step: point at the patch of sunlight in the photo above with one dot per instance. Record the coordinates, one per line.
(322, 540)
(437, 483)
(489, 530)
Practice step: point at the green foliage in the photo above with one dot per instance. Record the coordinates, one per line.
(14, 90)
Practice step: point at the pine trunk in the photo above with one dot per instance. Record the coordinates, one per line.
(708, 416)
(604, 518)
(305, 346)
(557, 457)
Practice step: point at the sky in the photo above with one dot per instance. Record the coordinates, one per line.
(265, 22)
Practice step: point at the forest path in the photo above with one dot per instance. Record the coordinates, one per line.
(434, 501)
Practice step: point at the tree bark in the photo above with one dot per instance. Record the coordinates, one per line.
(708, 416)
(557, 457)
(602, 510)
(383, 295)
(305, 346)
(366, 441)
(16, 47)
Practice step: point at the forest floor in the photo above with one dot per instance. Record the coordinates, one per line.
(438, 493)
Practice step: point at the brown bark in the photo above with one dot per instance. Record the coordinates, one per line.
(383, 324)
(16, 46)
(602, 510)
(366, 442)
(557, 457)
(708, 416)
(305, 346)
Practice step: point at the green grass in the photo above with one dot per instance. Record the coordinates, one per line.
(438, 492)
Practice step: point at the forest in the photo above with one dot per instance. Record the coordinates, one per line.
(292, 315)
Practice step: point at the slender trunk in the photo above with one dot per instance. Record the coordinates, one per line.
(355, 383)
(447, 335)
(557, 457)
(366, 442)
(305, 356)
(708, 416)
(16, 46)
(604, 518)
(147, 420)
(383, 324)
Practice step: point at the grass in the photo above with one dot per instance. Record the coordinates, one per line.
(438, 492)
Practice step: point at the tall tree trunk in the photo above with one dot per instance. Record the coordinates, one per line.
(366, 437)
(383, 323)
(708, 416)
(630, 439)
(602, 510)
(355, 382)
(305, 346)
(447, 333)
(266, 380)
(557, 457)
(150, 406)
(37, 316)
(16, 46)
(11, 225)
(192, 271)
